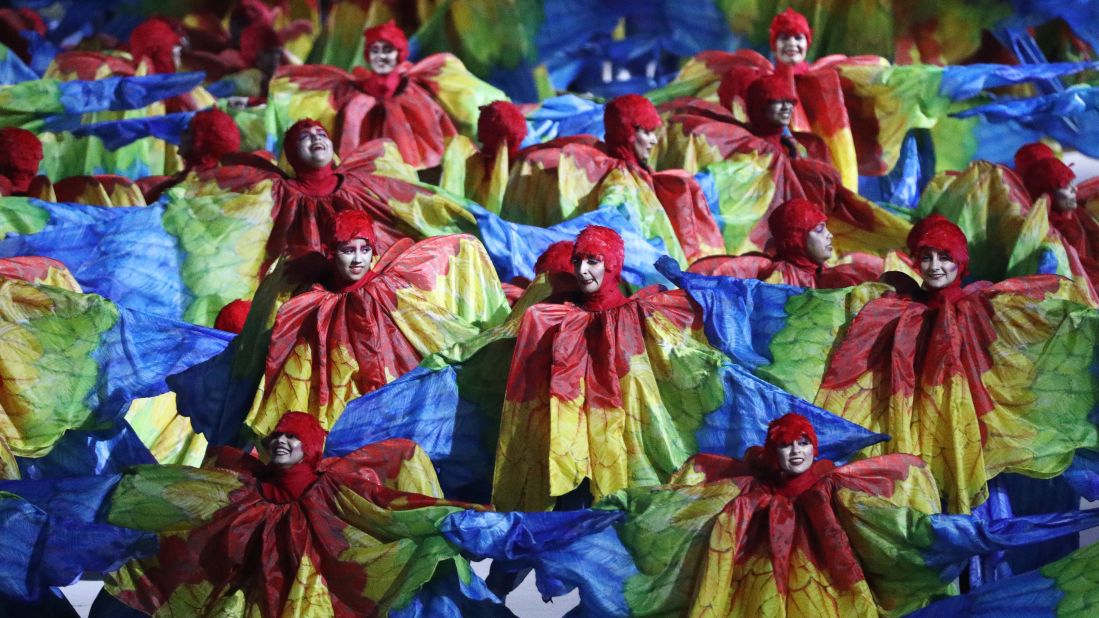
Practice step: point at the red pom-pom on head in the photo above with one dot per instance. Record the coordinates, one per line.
(348, 225)
(213, 134)
(939, 233)
(232, 316)
(20, 152)
(790, 22)
(290, 142)
(154, 38)
(778, 86)
(390, 33)
(1046, 176)
(307, 429)
(603, 242)
(256, 40)
(622, 117)
(1031, 153)
(557, 258)
(501, 122)
(791, 222)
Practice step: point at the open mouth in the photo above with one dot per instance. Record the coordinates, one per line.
(796, 461)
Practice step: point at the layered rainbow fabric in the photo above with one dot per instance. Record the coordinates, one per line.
(1021, 403)
(73, 363)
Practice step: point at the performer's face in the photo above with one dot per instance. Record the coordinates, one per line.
(353, 259)
(780, 112)
(818, 244)
(796, 457)
(938, 269)
(643, 143)
(590, 271)
(315, 147)
(285, 449)
(1065, 197)
(383, 57)
(790, 48)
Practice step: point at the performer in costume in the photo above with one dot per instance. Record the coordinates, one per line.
(210, 135)
(1075, 225)
(590, 394)
(668, 206)
(297, 535)
(802, 253)
(482, 175)
(19, 162)
(966, 369)
(418, 106)
(371, 319)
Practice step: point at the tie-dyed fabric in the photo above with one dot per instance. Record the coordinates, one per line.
(73, 363)
(560, 181)
(852, 269)
(746, 177)
(438, 99)
(473, 175)
(999, 380)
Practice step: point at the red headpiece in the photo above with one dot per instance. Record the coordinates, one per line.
(790, 22)
(785, 430)
(789, 224)
(232, 316)
(250, 12)
(390, 33)
(257, 39)
(20, 154)
(621, 119)
(596, 240)
(1031, 153)
(557, 258)
(307, 429)
(778, 86)
(735, 84)
(937, 232)
(1047, 176)
(213, 135)
(348, 225)
(500, 122)
(154, 38)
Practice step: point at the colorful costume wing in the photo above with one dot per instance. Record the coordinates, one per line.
(458, 91)
(39, 270)
(350, 545)
(328, 348)
(76, 361)
(466, 172)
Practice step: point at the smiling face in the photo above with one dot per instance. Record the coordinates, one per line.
(643, 143)
(780, 113)
(790, 48)
(938, 268)
(314, 147)
(1065, 198)
(796, 457)
(353, 259)
(589, 271)
(818, 243)
(383, 57)
(285, 449)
